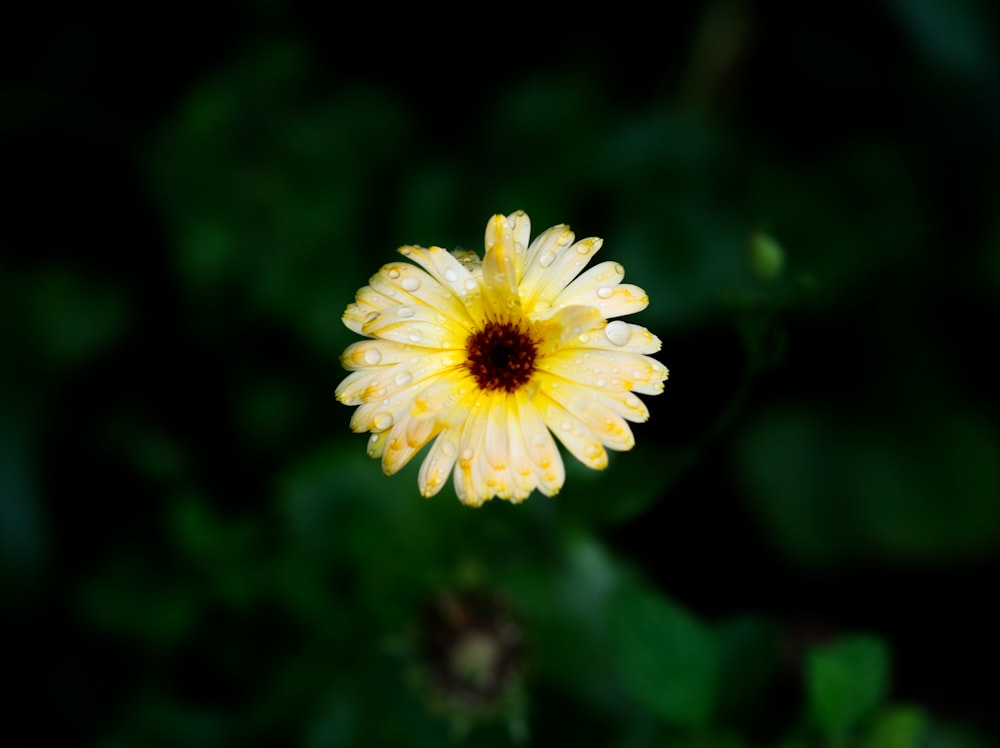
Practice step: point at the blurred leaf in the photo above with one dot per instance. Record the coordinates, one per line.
(951, 33)
(132, 601)
(632, 482)
(69, 317)
(749, 661)
(264, 174)
(898, 727)
(845, 681)
(666, 657)
(834, 487)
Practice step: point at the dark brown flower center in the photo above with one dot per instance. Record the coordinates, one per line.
(501, 356)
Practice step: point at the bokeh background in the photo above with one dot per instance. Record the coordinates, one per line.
(802, 550)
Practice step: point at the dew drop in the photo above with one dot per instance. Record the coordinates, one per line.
(403, 378)
(546, 258)
(617, 332)
(539, 441)
(371, 317)
(466, 455)
(601, 382)
(382, 421)
(584, 248)
(632, 401)
(415, 336)
(451, 275)
(372, 357)
(410, 283)
(405, 311)
(449, 449)
(406, 251)
(470, 284)
(605, 292)
(585, 338)
(593, 451)
(394, 273)
(567, 426)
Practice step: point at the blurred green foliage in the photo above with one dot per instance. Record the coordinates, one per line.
(194, 548)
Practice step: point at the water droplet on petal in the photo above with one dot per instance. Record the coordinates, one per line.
(406, 251)
(584, 338)
(546, 258)
(410, 283)
(467, 455)
(451, 275)
(605, 292)
(415, 336)
(539, 441)
(617, 332)
(405, 311)
(382, 421)
(584, 248)
(567, 426)
(372, 357)
(601, 382)
(470, 284)
(403, 378)
(394, 273)
(371, 317)
(449, 449)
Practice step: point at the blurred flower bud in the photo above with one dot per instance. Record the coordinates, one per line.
(767, 258)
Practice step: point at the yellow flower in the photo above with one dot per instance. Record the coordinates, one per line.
(492, 357)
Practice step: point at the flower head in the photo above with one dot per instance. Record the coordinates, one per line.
(491, 358)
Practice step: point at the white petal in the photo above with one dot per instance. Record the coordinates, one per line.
(539, 258)
(564, 267)
(604, 422)
(540, 447)
(437, 466)
(404, 440)
(407, 284)
(366, 354)
(575, 435)
(469, 483)
(414, 324)
(380, 383)
(460, 278)
(606, 369)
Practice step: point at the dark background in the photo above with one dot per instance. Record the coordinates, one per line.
(195, 550)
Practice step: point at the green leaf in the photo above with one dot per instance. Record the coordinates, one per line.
(664, 656)
(846, 680)
(898, 727)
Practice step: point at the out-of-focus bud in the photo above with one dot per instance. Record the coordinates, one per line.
(472, 647)
(767, 258)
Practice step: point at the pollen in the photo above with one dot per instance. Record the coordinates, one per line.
(501, 356)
